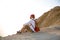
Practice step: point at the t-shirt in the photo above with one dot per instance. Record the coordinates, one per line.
(32, 22)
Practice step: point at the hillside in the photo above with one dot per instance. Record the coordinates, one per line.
(52, 17)
(44, 34)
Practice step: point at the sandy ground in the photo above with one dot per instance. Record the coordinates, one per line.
(44, 34)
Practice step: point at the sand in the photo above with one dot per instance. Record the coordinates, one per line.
(44, 34)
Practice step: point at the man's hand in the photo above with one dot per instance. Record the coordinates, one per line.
(30, 24)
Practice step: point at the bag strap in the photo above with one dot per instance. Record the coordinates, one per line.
(32, 25)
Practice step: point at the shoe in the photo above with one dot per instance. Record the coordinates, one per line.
(18, 32)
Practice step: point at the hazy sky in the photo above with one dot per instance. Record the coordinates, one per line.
(14, 13)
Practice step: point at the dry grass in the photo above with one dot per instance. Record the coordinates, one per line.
(51, 17)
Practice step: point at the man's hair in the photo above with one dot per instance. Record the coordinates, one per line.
(32, 15)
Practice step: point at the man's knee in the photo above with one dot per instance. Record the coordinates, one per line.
(27, 27)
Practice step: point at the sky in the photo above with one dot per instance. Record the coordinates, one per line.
(14, 13)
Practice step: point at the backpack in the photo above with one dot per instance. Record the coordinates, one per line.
(37, 29)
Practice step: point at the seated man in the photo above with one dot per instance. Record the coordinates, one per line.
(30, 26)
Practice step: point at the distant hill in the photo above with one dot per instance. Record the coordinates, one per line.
(52, 17)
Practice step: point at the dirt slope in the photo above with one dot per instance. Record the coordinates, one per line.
(52, 17)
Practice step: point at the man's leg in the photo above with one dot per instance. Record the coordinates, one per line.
(27, 28)
(32, 28)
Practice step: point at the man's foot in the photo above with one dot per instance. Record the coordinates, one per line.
(18, 32)
(32, 32)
